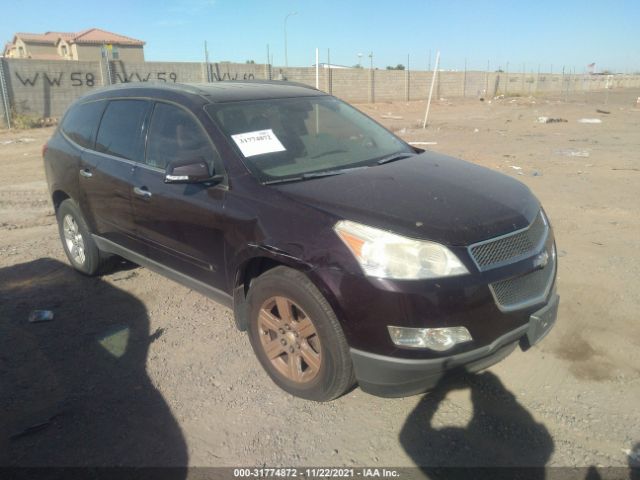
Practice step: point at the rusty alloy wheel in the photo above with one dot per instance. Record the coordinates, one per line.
(289, 339)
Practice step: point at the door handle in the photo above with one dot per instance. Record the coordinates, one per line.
(85, 172)
(142, 192)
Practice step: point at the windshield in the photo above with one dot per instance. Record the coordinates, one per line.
(297, 138)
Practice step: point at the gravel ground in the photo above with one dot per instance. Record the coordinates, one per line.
(137, 370)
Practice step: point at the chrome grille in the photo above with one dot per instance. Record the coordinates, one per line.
(528, 289)
(511, 247)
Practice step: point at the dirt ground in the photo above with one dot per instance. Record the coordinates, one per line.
(137, 370)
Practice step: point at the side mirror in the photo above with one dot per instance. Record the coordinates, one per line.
(193, 170)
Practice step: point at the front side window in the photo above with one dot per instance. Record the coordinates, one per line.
(81, 122)
(288, 138)
(175, 135)
(120, 132)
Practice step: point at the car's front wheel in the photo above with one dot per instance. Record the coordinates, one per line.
(297, 337)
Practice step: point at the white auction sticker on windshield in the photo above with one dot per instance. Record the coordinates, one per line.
(258, 142)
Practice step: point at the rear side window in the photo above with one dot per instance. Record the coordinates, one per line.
(120, 132)
(81, 123)
(175, 135)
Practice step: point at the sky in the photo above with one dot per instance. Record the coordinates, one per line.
(529, 34)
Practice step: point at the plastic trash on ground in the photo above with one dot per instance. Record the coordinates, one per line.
(37, 316)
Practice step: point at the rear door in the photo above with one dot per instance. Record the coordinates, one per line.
(64, 155)
(182, 225)
(106, 173)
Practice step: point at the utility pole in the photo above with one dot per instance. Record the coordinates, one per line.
(206, 61)
(286, 58)
(433, 82)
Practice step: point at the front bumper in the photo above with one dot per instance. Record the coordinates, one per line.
(387, 376)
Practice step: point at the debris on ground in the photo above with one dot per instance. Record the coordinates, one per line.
(31, 429)
(603, 111)
(423, 143)
(589, 120)
(37, 426)
(515, 167)
(124, 276)
(627, 169)
(571, 152)
(388, 116)
(17, 140)
(536, 174)
(37, 316)
(551, 120)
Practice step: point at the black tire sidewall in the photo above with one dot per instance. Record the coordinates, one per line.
(300, 291)
(92, 254)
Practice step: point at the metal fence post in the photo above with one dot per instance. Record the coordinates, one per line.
(506, 81)
(4, 93)
(371, 80)
(486, 80)
(406, 82)
(464, 80)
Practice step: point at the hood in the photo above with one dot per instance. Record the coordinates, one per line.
(427, 196)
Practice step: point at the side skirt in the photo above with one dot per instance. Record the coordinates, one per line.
(213, 293)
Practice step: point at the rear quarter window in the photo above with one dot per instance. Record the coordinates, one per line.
(81, 122)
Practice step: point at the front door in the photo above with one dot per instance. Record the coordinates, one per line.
(182, 225)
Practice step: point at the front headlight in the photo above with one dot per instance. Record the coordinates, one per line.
(387, 255)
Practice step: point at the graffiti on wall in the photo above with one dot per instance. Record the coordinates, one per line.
(136, 77)
(88, 79)
(235, 76)
(74, 79)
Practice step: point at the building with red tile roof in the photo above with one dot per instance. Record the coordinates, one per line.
(86, 45)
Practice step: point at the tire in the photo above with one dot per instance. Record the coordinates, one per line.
(320, 366)
(81, 250)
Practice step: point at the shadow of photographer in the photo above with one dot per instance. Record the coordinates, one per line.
(501, 433)
(75, 390)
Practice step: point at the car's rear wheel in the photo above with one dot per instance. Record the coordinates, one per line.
(81, 250)
(297, 337)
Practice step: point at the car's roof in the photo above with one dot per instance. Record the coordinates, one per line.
(222, 91)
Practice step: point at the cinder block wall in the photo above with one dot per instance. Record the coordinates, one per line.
(46, 88)
(171, 72)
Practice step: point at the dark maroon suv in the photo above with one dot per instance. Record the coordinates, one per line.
(346, 254)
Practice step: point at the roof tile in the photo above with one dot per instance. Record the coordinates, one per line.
(94, 36)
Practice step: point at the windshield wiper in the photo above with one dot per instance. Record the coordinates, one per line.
(326, 173)
(306, 176)
(394, 157)
(310, 175)
(282, 180)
